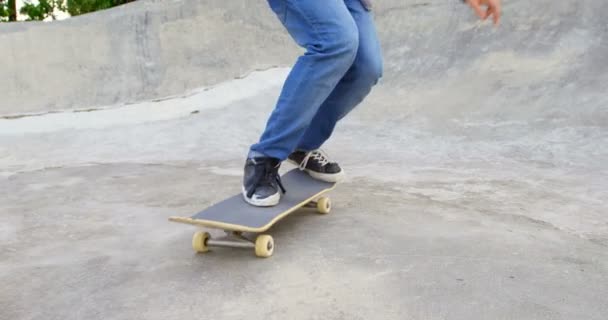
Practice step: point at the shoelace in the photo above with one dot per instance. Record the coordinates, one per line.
(270, 173)
(318, 155)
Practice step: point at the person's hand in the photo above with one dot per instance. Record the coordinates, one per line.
(492, 8)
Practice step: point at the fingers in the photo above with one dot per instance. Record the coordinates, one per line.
(491, 8)
(477, 8)
(496, 13)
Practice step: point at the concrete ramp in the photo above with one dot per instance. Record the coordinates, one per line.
(547, 57)
(477, 169)
(139, 51)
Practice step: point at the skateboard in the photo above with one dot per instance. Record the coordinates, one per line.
(235, 216)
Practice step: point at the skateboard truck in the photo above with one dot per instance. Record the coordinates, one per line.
(263, 244)
(233, 239)
(323, 205)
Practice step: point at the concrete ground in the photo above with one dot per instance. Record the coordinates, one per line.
(477, 171)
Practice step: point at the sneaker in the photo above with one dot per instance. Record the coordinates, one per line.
(262, 182)
(317, 164)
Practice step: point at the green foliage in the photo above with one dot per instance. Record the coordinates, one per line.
(8, 11)
(42, 10)
(46, 8)
(78, 7)
(3, 11)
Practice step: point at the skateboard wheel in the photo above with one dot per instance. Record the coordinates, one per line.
(324, 205)
(264, 246)
(199, 241)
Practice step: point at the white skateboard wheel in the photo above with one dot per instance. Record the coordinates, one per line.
(199, 241)
(264, 246)
(324, 205)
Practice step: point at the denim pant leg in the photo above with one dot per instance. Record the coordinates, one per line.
(354, 86)
(328, 32)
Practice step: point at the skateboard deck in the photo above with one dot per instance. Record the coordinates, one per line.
(236, 216)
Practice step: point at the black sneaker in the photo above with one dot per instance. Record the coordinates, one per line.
(317, 164)
(262, 182)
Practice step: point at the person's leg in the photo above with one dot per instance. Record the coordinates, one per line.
(349, 92)
(326, 29)
(354, 86)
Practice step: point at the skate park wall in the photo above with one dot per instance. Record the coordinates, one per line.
(546, 60)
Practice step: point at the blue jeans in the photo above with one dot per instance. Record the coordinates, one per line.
(342, 62)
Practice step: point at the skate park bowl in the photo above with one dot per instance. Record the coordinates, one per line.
(477, 169)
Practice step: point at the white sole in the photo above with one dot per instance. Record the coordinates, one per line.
(333, 177)
(327, 177)
(266, 202)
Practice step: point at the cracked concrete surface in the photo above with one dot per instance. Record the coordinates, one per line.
(477, 170)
